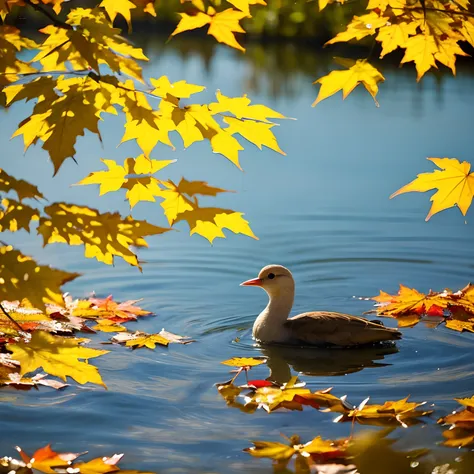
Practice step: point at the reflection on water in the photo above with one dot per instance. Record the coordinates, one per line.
(322, 362)
(323, 211)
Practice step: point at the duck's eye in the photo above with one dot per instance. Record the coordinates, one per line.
(271, 276)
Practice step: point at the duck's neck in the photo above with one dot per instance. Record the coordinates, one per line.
(269, 326)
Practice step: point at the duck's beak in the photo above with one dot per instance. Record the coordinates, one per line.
(253, 282)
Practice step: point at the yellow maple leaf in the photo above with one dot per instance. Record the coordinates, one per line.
(241, 108)
(182, 197)
(180, 204)
(454, 184)
(110, 180)
(395, 36)
(148, 340)
(134, 175)
(22, 188)
(408, 301)
(258, 133)
(421, 49)
(244, 5)
(399, 411)
(104, 236)
(143, 124)
(119, 7)
(181, 89)
(222, 25)
(244, 361)
(21, 277)
(11, 42)
(282, 453)
(91, 40)
(16, 216)
(360, 27)
(361, 72)
(58, 356)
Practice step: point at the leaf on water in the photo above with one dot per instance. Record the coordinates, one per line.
(7, 361)
(460, 326)
(141, 339)
(409, 306)
(107, 308)
(358, 72)
(461, 431)
(106, 325)
(46, 460)
(270, 396)
(174, 338)
(454, 184)
(15, 380)
(399, 412)
(411, 301)
(222, 25)
(58, 356)
(22, 188)
(311, 455)
(21, 276)
(104, 236)
(244, 361)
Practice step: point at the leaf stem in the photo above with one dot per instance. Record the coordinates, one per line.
(10, 318)
(432, 9)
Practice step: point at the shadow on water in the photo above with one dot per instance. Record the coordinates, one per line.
(281, 360)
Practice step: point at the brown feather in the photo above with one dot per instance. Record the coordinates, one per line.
(327, 327)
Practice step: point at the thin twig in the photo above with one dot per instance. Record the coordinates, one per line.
(431, 9)
(56, 21)
(10, 318)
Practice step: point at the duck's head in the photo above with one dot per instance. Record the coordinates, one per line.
(273, 279)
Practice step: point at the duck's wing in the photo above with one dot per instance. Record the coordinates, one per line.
(326, 327)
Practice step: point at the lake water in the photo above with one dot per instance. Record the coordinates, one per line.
(323, 211)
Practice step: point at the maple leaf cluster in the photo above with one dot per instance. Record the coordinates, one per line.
(429, 32)
(44, 339)
(48, 461)
(461, 431)
(409, 306)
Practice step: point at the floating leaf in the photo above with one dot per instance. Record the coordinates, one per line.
(244, 361)
(401, 412)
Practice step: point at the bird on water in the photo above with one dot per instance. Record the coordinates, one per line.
(313, 328)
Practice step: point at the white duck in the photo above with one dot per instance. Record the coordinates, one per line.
(314, 328)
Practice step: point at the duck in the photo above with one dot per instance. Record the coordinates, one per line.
(316, 328)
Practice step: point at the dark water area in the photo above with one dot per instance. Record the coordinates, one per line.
(323, 211)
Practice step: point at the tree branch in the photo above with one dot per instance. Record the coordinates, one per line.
(56, 21)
